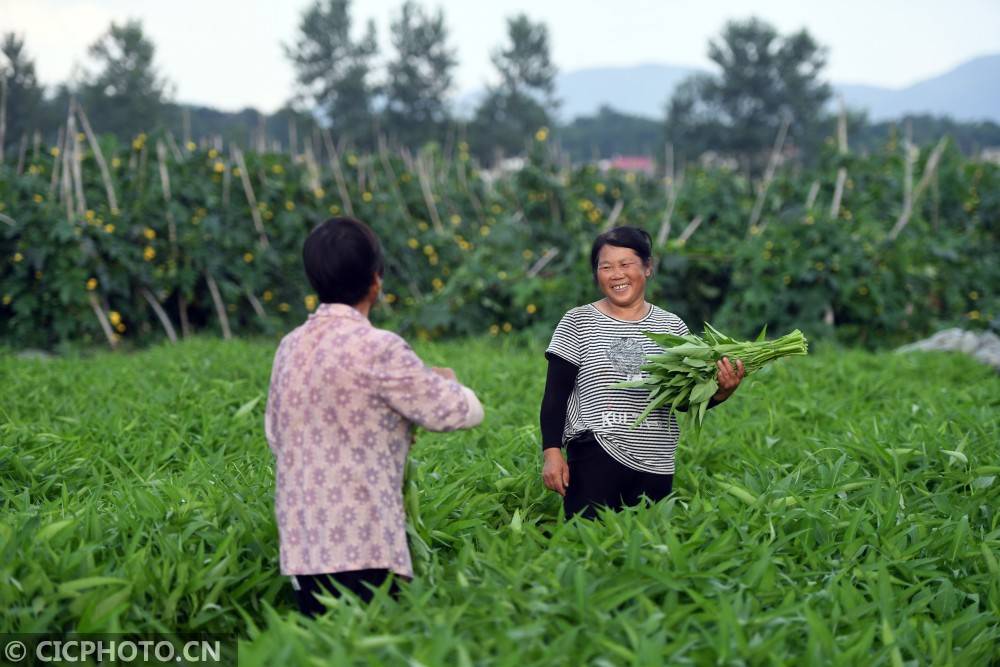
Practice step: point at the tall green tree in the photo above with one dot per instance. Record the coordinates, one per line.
(124, 93)
(334, 71)
(524, 100)
(419, 76)
(763, 79)
(24, 96)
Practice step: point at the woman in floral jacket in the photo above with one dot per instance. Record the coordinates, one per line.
(343, 399)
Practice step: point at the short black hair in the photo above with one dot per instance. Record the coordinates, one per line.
(341, 258)
(623, 237)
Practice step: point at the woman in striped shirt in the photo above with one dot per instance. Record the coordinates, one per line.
(594, 346)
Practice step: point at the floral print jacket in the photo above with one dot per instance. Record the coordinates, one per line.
(343, 399)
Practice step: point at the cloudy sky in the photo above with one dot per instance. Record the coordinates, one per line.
(228, 53)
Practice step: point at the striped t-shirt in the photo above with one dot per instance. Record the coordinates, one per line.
(608, 350)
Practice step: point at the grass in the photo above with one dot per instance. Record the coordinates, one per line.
(840, 509)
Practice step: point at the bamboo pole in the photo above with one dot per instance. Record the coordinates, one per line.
(813, 193)
(73, 139)
(103, 319)
(929, 169)
(689, 230)
(99, 156)
(160, 313)
(616, 211)
(338, 173)
(258, 222)
(425, 188)
(772, 166)
(3, 114)
(255, 304)
(220, 308)
(22, 154)
(664, 233)
(182, 312)
(542, 261)
(838, 191)
(161, 158)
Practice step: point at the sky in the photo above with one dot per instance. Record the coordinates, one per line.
(228, 53)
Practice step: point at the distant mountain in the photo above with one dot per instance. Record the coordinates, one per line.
(969, 92)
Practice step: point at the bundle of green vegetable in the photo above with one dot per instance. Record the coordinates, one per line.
(684, 375)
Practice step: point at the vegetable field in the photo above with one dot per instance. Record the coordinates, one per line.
(103, 243)
(840, 509)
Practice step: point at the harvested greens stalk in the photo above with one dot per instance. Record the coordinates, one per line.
(684, 375)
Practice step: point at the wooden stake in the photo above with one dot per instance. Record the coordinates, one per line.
(338, 173)
(251, 199)
(99, 156)
(103, 319)
(772, 166)
(220, 308)
(160, 313)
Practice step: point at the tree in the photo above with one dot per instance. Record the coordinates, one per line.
(333, 71)
(125, 94)
(24, 96)
(763, 79)
(419, 77)
(511, 111)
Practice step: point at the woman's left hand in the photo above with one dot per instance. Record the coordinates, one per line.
(728, 377)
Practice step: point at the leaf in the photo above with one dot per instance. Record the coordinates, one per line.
(78, 585)
(247, 407)
(762, 336)
(50, 530)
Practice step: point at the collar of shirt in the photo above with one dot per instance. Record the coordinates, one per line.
(337, 310)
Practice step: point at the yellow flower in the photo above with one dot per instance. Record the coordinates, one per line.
(390, 298)
(284, 307)
(532, 309)
(91, 284)
(463, 146)
(334, 209)
(310, 301)
(139, 142)
(542, 134)
(820, 266)
(456, 219)
(599, 188)
(974, 295)
(413, 243)
(218, 167)
(432, 260)
(115, 163)
(484, 231)
(496, 209)
(89, 215)
(191, 146)
(277, 169)
(289, 206)
(38, 199)
(248, 257)
(33, 169)
(149, 233)
(494, 330)
(366, 196)
(236, 171)
(268, 295)
(438, 284)
(120, 328)
(423, 226)
(352, 159)
(507, 327)
(319, 193)
(148, 253)
(787, 280)
(973, 314)
(18, 257)
(212, 154)
(428, 250)
(502, 275)
(527, 254)
(7, 299)
(755, 230)
(54, 152)
(115, 317)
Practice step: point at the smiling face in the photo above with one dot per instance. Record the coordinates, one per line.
(621, 275)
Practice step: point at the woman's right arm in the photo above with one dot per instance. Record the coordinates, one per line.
(423, 395)
(559, 383)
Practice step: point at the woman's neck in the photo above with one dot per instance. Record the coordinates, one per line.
(635, 311)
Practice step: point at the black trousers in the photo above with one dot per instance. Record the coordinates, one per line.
(311, 584)
(597, 480)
